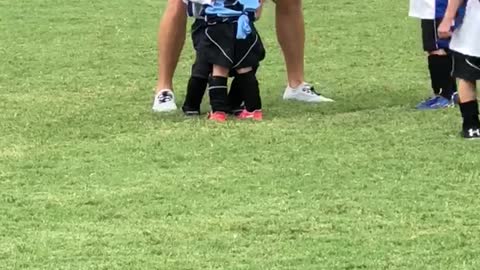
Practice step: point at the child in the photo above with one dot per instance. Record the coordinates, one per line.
(466, 57)
(231, 44)
(202, 68)
(443, 84)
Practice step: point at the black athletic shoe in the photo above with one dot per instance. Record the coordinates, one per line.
(472, 133)
(189, 111)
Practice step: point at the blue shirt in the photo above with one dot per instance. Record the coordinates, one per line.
(239, 11)
(441, 9)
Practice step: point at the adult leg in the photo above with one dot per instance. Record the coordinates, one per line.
(291, 37)
(171, 37)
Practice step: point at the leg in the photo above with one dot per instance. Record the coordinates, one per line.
(217, 90)
(439, 66)
(467, 69)
(467, 91)
(218, 49)
(171, 38)
(195, 90)
(248, 83)
(197, 85)
(469, 109)
(436, 65)
(235, 97)
(291, 36)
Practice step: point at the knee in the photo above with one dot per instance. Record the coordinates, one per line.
(244, 70)
(219, 71)
(248, 77)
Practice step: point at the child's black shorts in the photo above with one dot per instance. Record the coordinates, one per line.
(200, 68)
(220, 46)
(198, 32)
(466, 67)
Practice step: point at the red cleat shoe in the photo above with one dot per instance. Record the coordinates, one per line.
(256, 115)
(217, 116)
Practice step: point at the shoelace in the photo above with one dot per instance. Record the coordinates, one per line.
(309, 89)
(165, 97)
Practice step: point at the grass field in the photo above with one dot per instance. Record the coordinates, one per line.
(91, 179)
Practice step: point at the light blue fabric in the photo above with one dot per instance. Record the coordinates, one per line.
(243, 29)
(219, 9)
(250, 5)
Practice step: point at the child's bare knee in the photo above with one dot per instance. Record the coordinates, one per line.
(244, 70)
(220, 71)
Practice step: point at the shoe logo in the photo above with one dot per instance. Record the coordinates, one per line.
(474, 132)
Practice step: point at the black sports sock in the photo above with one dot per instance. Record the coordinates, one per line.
(217, 90)
(195, 91)
(235, 95)
(440, 67)
(251, 90)
(449, 84)
(469, 112)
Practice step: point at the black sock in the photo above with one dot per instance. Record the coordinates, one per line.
(248, 83)
(440, 67)
(469, 112)
(235, 95)
(217, 90)
(195, 91)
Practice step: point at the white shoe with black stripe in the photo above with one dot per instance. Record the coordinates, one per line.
(306, 93)
(164, 101)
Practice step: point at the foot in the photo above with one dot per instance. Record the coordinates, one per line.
(471, 133)
(190, 111)
(435, 102)
(217, 117)
(256, 115)
(164, 101)
(304, 92)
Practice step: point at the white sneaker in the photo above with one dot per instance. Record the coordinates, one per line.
(164, 101)
(304, 92)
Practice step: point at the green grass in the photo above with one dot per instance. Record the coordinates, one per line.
(91, 179)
